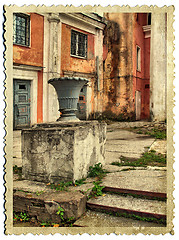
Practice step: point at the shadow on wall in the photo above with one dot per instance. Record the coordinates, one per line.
(112, 42)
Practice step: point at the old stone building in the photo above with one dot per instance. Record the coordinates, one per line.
(127, 66)
(75, 45)
(123, 55)
(55, 45)
(116, 52)
(134, 66)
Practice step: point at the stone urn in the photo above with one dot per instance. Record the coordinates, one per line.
(68, 90)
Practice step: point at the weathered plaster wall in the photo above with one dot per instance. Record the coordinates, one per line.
(62, 151)
(158, 70)
(32, 55)
(69, 63)
(88, 68)
(40, 97)
(124, 32)
(146, 110)
(118, 65)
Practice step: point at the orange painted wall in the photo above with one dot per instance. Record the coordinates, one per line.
(69, 63)
(141, 78)
(32, 55)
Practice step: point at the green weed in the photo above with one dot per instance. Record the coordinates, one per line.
(62, 186)
(158, 134)
(38, 193)
(96, 171)
(96, 190)
(60, 212)
(80, 182)
(22, 216)
(150, 158)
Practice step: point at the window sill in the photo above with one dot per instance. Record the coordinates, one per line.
(85, 58)
(21, 45)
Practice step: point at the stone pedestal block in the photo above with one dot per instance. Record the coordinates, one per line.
(62, 151)
(45, 206)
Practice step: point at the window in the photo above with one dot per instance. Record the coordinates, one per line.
(81, 98)
(21, 29)
(138, 58)
(78, 44)
(149, 19)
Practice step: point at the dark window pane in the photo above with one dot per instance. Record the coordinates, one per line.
(73, 43)
(21, 29)
(81, 98)
(22, 86)
(78, 44)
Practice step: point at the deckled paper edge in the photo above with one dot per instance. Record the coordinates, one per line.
(9, 229)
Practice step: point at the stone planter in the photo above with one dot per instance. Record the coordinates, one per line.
(68, 90)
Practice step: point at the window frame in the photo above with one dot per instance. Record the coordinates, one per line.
(27, 31)
(138, 58)
(78, 33)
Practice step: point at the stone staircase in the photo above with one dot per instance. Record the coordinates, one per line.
(127, 206)
(130, 206)
(133, 197)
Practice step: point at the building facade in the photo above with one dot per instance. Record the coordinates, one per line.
(47, 46)
(127, 66)
(115, 52)
(27, 68)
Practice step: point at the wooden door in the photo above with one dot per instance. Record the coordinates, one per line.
(21, 103)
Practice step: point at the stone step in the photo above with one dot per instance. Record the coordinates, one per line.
(137, 193)
(100, 219)
(129, 205)
(150, 180)
(42, 202)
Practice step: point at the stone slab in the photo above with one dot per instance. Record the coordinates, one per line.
(98, 219)
(145, 180)
(113, 168)
(30, 186)
(160, 146)
(125, 143)
(44, 207)
(131, 203)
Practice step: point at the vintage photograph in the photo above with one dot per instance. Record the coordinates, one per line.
(89, 117)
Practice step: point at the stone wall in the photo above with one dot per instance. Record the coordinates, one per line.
(57, 152)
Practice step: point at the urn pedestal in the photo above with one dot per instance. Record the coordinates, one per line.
(62, 151)
(68, 90)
